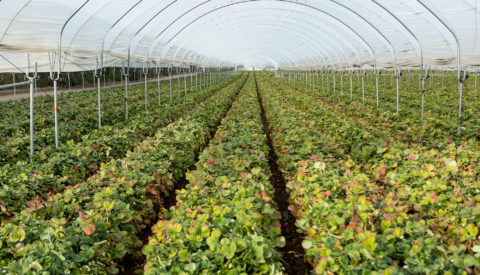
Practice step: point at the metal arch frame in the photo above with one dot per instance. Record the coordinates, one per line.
(389, 43)
(61, 34)
(109, 29)
(419, 45)
(445, 25)
(336, 41)
(13, 20)
(356, 35)
(86, 21)
(237, 25)
(419, 48)
(114, 39)
(327, 55)
(290, 49)
(283, 53)
(148, 22)
(193, 56)
(460, 80)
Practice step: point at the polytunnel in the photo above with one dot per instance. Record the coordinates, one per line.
(296, 33)
(239, 137)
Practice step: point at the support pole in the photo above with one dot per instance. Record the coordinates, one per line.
(341, 82)
(15, 87)
(31, 79)
(476, 81)
(191, 78)
(398, 75)
(185, 81)
(423, 93)
(377, 75)
(126, 73)
(170, 80)
(351, 85)
(145, 75)
(83, 80)
(363, 86)
(158, 70)
(98, 74)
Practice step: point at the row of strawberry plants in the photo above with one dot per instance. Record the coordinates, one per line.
(92, 225)
(225, 220)
(366, 141)
(16, 112)
(441, 108)
(374, 215)
(78, 116)
(72, 163)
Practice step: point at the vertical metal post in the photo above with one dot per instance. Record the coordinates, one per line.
(126, 72)
(31, 78)
(476, 81)
(31, 120)
(398, 74)
(328, 80)
(351, 85)
(191, 78)
(14, 87)
(334, 82)
(363, 86)
(69, 83)
(341, 82)
(145, 75)
(55, 108)
(443, 78)
(322, 72)
(99, 93)
(158, 70)
(460, 95)
(185, 81)
(377, 75)
(423, 93)
(170, 69)
(83, 80)
(178, 82)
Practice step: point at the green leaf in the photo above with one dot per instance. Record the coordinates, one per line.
(148, 249)
(228, 250)
(369, 243)
(17, 235)
(307, 244)
(191, 267)
(472, 230)
(469, 260)
(183, 255)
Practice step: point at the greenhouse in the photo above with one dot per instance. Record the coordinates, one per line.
(239, 137)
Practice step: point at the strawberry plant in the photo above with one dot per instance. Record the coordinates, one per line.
(224, 220)
(367, 201)
(90, 226)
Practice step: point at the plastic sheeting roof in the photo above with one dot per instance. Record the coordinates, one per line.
(280, 33)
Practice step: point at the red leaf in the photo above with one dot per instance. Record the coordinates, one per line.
(89, 229)
(327, 193)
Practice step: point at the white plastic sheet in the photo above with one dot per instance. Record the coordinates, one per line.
(280, 33)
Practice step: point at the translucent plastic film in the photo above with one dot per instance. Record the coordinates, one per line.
(281, 33)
